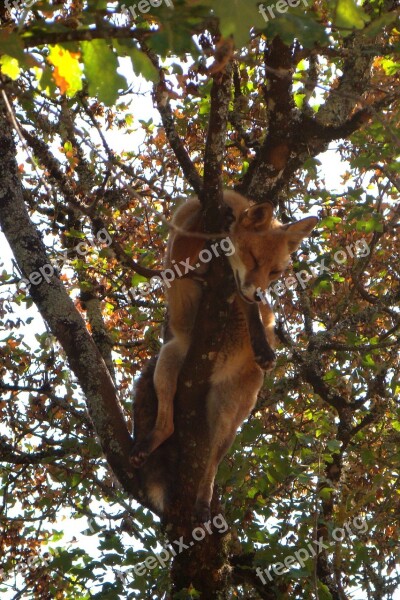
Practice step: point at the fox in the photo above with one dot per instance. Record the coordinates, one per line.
(262, 246)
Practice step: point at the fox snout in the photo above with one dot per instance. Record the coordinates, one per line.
(248, 291)
(252, 294)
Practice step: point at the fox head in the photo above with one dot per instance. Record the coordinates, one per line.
(262, 247)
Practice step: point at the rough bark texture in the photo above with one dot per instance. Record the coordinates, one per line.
(62, 317)
(192, 439)
(205, 564)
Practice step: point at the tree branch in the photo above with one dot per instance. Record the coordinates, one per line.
(294, 136)
(309, 371)
(8, 454)
(63, 319)
(161, 96)
(214, 154)
(32, 39)
(55, 169)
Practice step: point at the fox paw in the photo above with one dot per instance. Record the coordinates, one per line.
(263, 353)
(265, 357)
(139, 456)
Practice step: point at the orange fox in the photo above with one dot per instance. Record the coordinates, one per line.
(261, 251)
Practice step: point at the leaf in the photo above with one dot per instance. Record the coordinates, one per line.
(11, 44)
(141, 63)
(174, 37)
(10, 66)
(378, 24)
(296, 24)
(323, 592)
(330, 222)
(368, 361)
(349, 15)
(237, 17)
(101, 65)
(390, 67)
(334, 446)
(136, 279)
(372, 224)
(299, 99)
(67, 69)
(361, 554)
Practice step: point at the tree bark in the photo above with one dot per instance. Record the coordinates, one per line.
(61, 315)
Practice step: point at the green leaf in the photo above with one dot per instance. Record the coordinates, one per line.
(334, 445)
(142, 65)
(372, 224)
(330, 222)
(299, 100)
(11, 44)
(175, 38)
(323, 592)
(378, 24)
(349, 16)
(368, 361)
(299, 25)
(101, 66)
(136, 279)
(390, 67)
(361, 555)
(73, 232)
(237, 17)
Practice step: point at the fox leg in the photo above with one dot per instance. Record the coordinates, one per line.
(166, 373)
(183, 300)
(264, 354)
(228, 404)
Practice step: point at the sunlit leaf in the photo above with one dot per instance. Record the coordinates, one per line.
(349, 15)
(101, 66)
(10, 66)
(67, 70)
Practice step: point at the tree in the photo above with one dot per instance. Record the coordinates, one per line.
(245, 102)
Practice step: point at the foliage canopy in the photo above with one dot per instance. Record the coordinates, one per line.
(242, 103)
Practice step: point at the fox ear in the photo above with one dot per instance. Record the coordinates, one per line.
(296, 232)
(257, 216)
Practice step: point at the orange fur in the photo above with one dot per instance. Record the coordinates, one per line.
(262, 252)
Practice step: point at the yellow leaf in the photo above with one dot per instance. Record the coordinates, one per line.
(67, 73)
(10, 66)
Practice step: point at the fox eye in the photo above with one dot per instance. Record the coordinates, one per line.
(274, 273)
